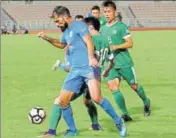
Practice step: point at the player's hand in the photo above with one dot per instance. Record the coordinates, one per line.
(93, 62)
(66, 48)
(113, 48)
(41, 35)
(105, 73)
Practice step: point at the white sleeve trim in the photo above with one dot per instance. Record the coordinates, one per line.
(127, 36)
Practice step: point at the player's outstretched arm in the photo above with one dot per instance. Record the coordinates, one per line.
(128, 44)
(54, 42)
(88, 40)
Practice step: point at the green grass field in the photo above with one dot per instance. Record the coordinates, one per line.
(28, 81)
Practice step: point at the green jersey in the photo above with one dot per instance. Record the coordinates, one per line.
(116, 34)
(102, 50)
(102, 20)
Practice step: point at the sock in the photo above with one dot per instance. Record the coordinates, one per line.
(107, 107)
(141, 93)
(120, 101)
(54, 118)
(68, 117)
(63, 67)
(92, 111)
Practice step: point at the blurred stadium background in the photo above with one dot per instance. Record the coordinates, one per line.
(27, 79)
(35, 14)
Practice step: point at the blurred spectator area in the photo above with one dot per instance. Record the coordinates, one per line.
(35, 15)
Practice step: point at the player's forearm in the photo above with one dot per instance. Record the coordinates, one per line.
(91, 49)
(54, 42)
(125, 45)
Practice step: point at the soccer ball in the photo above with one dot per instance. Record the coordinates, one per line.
(37, 115)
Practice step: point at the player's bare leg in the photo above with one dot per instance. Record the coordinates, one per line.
(140, 91)
(95, 92)
(118, 98)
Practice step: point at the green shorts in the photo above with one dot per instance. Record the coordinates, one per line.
(127, 74)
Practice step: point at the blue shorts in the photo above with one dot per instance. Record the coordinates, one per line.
(77, 76)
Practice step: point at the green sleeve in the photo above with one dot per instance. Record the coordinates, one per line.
(125, 31)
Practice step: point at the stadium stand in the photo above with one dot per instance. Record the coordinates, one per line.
(157, 14)
(147, 14)
(6, 20)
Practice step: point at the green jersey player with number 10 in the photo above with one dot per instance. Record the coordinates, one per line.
(102, 49)
(120, 40)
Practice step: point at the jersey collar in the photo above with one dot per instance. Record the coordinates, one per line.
(111, 24)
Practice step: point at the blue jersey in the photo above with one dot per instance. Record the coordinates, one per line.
(73, 36)
(68, 57)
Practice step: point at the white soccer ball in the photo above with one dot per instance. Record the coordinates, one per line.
(37, 115)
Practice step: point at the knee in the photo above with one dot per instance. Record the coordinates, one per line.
(113, 86)
(134, 87)
(57, 100)
(97, 99)
(62, 102)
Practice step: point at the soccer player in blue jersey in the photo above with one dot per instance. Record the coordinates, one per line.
(84, 68)
(91, 108)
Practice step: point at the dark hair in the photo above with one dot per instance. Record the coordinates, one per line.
(95, 7)
(79, 16)
(60, 10)
(109, 3)
(119, 16)
(93, 21)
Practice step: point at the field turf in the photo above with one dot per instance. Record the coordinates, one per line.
(28, 81)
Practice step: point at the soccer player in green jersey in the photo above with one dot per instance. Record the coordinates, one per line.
(102, 49)
(79, 17)
(120, 40)
(95, 11)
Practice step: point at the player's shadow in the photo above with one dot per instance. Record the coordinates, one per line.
(139, 110)
(136, 134)
(60, 134)
(108, 125)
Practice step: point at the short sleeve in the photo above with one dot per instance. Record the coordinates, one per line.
(82, 29)
(125, 32)
(62, 39)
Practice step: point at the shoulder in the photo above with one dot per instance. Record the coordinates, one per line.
(64, 33)
(121, 24)
(104, 27)
(78, 24)
(103, 40)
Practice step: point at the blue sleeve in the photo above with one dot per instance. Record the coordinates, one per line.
(62, 39)
(82, 29)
